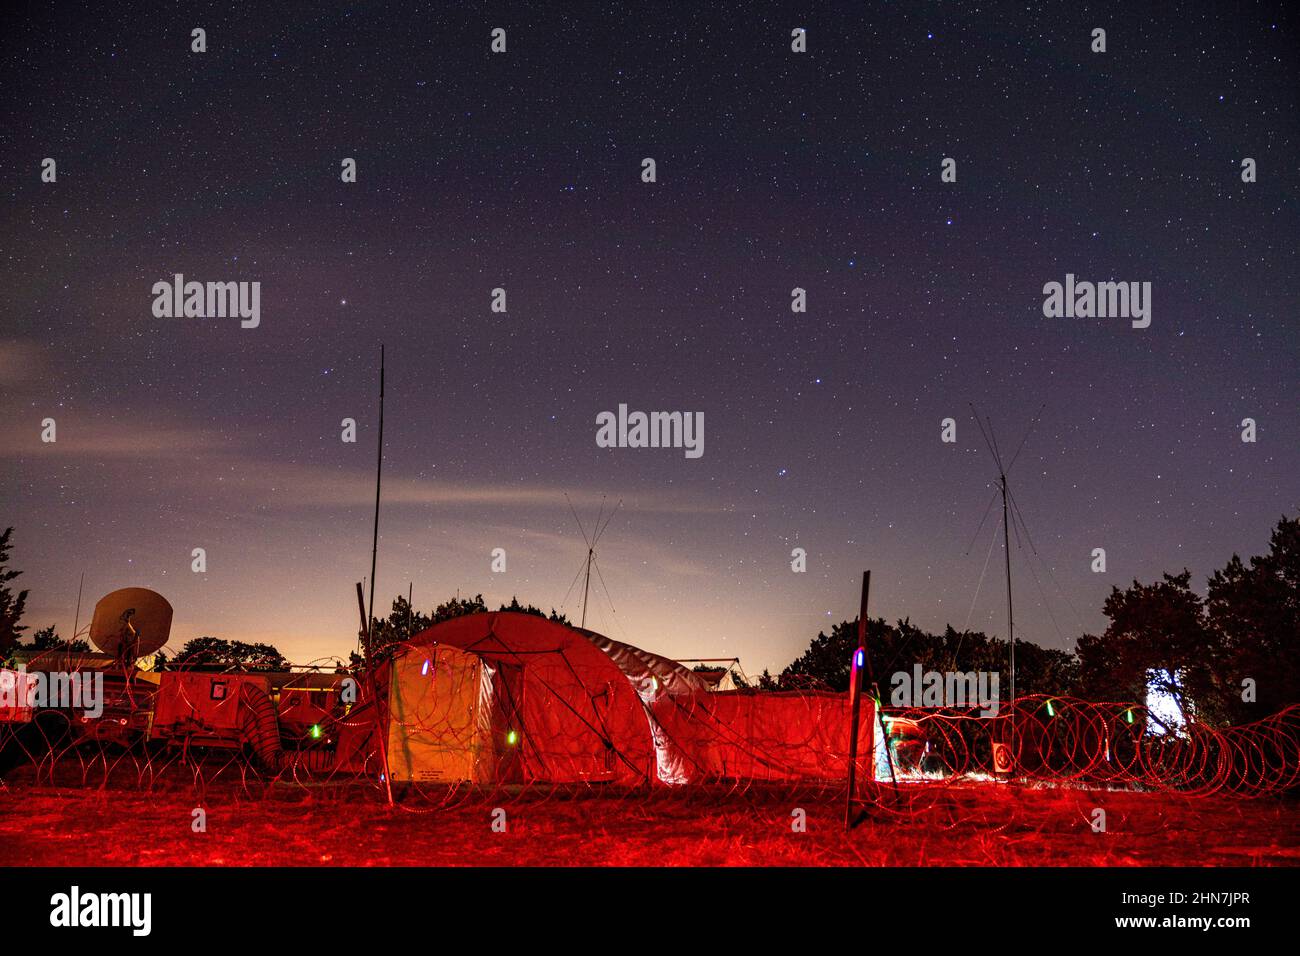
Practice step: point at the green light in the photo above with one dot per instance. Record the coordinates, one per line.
(1128, 715)
(1051, 712)
(511, 738)
(315, 731)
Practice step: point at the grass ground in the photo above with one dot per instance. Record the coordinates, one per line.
(976, 825)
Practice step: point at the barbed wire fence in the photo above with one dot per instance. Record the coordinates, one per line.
(564, 732)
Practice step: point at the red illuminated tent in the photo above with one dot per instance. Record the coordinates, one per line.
(508, 697)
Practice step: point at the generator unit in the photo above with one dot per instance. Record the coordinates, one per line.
(308, 708)
(205, 709)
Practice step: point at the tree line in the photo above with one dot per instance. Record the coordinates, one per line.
(1229, 657)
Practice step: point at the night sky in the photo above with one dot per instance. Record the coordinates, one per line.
(522, 170)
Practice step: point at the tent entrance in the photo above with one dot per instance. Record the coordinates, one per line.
(441, 719)
(507, 728)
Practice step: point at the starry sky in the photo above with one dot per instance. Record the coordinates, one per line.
(522, 170)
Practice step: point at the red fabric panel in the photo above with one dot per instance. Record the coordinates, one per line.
(737, 735)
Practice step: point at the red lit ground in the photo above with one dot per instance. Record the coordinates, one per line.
(976, 825)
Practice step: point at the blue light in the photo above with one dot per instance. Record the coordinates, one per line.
(859, 658)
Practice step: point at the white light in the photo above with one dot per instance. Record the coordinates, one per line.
(1165, 716)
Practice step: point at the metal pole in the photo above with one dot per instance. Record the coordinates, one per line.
(379, 472)
(380, 723)
(410, 592)
(76, 621)
(586, 584)
(361, 614)
(1011, 624)
(855, 698)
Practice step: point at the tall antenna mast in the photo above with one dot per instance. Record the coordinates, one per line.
(1011, 620)
(990, 439)
(76, 621)
(598, 529)
(379, 472)
(586, 585)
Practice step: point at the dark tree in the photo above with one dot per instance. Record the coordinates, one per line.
(11, 605)
(1254, 610)
(458, 607)
(404, 622)
(826, 662)
(216, 654)
(1042, 670)
(555, 615)
(1246, 629)
(1158, 632)
(902, 646)
(47, 639)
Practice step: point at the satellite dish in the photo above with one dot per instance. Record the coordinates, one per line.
(131, 622)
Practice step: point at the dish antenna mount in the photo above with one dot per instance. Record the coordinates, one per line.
(130, 623)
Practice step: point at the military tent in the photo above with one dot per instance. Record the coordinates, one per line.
(508, 697)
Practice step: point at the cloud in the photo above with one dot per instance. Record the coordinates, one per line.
(199, 456)
(99, 440)
(321, 486)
